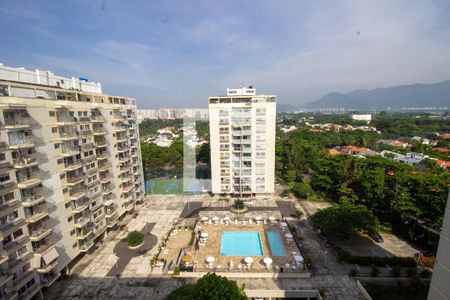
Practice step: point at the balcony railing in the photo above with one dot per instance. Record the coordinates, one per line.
(21, 142)
(68, 135)
(76, 178)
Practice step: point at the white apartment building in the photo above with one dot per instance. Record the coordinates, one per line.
(70, 171)
(172, 113)
(242, 139)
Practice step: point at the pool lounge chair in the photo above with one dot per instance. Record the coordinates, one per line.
(250, 221)
(277, 268)
(239, 267)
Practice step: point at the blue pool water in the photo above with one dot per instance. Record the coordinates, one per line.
(241, 243)
(276, 244)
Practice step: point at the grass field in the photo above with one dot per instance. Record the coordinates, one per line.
(164, 186)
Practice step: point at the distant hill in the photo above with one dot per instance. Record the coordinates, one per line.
(414, 95)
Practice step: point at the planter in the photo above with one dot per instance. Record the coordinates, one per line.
(135, 247)
(239, 211)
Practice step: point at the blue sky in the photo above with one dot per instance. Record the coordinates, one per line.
(177, 53)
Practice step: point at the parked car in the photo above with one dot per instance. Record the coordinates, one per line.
(376, 237)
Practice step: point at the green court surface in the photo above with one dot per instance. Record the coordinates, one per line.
(164, 186)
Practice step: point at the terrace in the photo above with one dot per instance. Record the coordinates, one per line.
(245, 246)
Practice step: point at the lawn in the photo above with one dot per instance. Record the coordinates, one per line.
(164, 186)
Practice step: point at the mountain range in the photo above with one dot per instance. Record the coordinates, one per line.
(397, 97)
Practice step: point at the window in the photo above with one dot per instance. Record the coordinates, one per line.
(67, 205)
(62, 176)
(57, 146)
(75, 245)
(72, 232)
(65, 191)
(59, 161)
(54, 130)
(69, 219)
(51, 113)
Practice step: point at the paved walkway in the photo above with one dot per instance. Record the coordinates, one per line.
(93, 279)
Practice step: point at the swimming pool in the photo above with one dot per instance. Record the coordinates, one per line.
(241, 243)
(276, 244)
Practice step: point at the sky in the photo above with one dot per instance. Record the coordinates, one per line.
(177, 53)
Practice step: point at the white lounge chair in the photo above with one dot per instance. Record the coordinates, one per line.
(250, 221)
(239, 267)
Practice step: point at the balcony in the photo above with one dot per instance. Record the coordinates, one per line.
(103, 155)
(80, 206)
(8, 207)
(121, 138)
(86, 246)
(124, 159)
(104, 167)
(87, 146)
(65, 120)
(70, 151)
(92, 183)
(77, 193)
(124, 169)
(26, 142)
(105, 179)
(24, 162)
(48, 260)
(100, 143)
(97, 119)
(72, 165)
(75, 179)
(92, 170)
(17, 123)
(40, 233)
(123, 148)
(106, 190)
(49, 278)
(81, 222)
(36, 215)
(68, 135)
(32, 200)
(85, 232)
(128, 188)
(12, 246)
(85, 132)
(84, 119)
(99, 131)
(10, 226)
(27, 183)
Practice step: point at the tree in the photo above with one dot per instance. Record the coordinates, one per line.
(209, 287)
(135, 238)
(346, 219)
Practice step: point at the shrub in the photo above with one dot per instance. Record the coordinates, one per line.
(353, 272)
(239, 204)
(396, 272)
(191, 242)
(379, 261)
(299, 213)
(176, 271)
(135, 238)
(374, 272)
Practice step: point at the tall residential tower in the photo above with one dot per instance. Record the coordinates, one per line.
(70, 170)
(242, 134)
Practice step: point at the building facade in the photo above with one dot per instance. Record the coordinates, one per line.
(70, 170)
(242, 139)
(439, 287)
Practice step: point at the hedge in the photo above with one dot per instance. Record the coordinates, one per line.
(380, 261)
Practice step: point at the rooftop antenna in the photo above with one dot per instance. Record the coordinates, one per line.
(242, 84)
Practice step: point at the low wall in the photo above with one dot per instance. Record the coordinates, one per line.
(248, 275)
(284, 294)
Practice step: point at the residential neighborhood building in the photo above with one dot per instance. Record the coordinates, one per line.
(70, 170)
(361, 117)
(172, 113)
(242, 138)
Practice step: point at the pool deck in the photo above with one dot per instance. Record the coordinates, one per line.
(212, 248)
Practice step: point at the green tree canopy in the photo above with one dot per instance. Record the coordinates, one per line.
(346, 219)
(209, 287)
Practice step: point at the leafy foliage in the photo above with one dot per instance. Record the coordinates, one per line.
(346, 219)
(239, 204)
(135, 238)
(209, 287)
